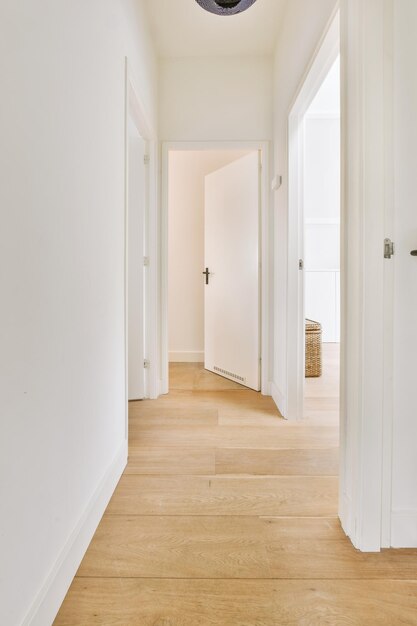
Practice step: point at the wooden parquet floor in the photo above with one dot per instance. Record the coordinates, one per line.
(227, 515)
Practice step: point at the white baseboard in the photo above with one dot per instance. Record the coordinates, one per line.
(350, 528)
(279, 399)
(162, 388)
(404, 529)
(53, 591)
(186, 357)
(266, 389)
(345, 515)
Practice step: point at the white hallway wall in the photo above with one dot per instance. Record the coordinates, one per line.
(215, 99)
(187, 171)
(62, 399)
(303, 26)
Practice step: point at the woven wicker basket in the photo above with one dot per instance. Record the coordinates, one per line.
(313, 349)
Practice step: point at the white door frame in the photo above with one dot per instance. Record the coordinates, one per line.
(320, 66)
(265, 235)
(136, 112)
(366, 31)
(136, 276)
(367, 282)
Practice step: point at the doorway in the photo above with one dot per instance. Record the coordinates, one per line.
(314, 231)
(321, 245)
(215, 216)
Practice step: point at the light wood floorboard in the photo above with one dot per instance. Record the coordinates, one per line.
(234, 547)
(310, 436)
(156, 602)
(171, 461)
(227, 516)
(225, 495)
(295, 462)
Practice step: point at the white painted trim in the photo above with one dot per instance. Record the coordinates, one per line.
(345, 512)
(186, 357)
(136, 110)
(153, 254)
(321, 63)
(366, 418)
(55, 587)
(266, 234)
(164, 366)
(403, 529)
(278, 398)
(295, 356)
(389, 192)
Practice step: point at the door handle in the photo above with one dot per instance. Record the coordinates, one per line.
(413, 252)
(207, 274)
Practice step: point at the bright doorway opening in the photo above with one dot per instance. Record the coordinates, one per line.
(314, 236)
(321, 243)
(215, 218)
(213, 265)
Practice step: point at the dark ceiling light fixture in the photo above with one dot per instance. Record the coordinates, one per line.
(225, 7)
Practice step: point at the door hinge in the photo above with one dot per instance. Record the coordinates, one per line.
(389, 248)
(301, 264)
(146, 261)
(146, 159)
(146, 364)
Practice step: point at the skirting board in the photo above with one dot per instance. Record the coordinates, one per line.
(345, 515)
(162, 388)
(404, 529)
(186, 357)
(278, 398)
(49, 599)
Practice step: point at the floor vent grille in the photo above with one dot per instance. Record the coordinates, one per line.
(226, 373)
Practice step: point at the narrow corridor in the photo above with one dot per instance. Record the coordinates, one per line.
(227, 515)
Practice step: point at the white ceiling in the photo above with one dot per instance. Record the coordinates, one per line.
(181, 28)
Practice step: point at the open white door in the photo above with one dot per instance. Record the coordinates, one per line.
(136, 232)
(232, 260)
